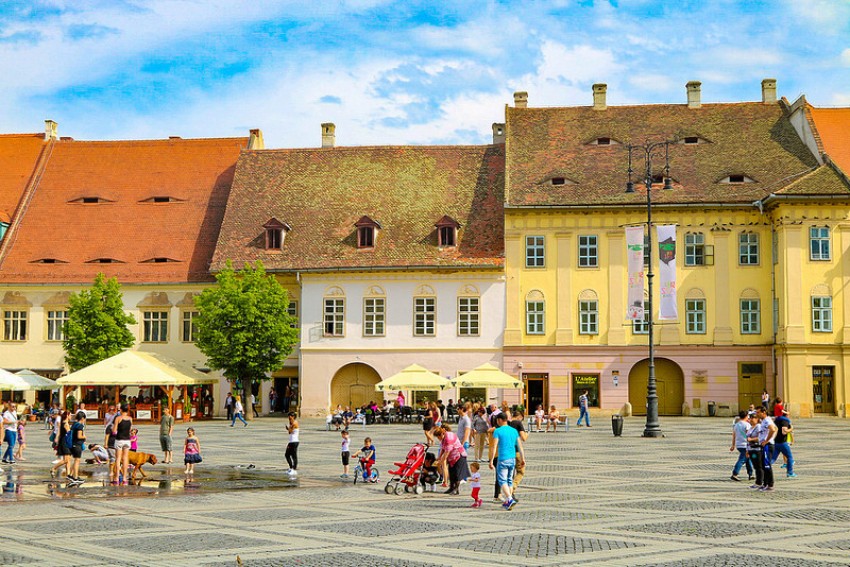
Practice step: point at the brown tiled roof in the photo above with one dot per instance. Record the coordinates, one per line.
(321, 193)
(824, 180)
(751, 139)
(18, 156)
(195, 173)
(833, 128)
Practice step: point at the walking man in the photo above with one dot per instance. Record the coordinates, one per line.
(505, 446)
(166, 429)
(228, 405)
(739, 442)
(582, 408)
(10, 431)
(781, 443)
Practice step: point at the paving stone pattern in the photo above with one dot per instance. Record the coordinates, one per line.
(588, 498)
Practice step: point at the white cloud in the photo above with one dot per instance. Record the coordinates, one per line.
(841, 99)
(845, 57)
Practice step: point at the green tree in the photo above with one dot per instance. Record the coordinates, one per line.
(97, 324)
(244, 326)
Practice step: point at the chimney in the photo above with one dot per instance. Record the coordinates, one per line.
(498, 133)
(51, 130)
(768, 91)
(255, 141)
(694, 94)
(328, 135)
(521, 99)
(600, 96)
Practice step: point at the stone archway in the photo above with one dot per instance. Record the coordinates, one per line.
(670, 385)
(354, 385)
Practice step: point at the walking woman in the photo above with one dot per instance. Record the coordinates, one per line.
(292, 447)
(428, 423)
(237, 412)
(121, 426)
(63, 452)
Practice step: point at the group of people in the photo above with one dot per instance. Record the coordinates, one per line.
(759, 440)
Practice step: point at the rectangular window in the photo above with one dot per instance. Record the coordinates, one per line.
(641, 326)
(695, 316)
(535, 318)
(14, 325)
(155, 326)
(374, 316)
(56, 325)
(447, 236)
(293, 312)
(189, 330)
(819, 243)
(694, 249)
(424, 316)
(588, 251)
(588, 311)
(748, 249)
(334, 317)
(589, 382)
(535, 254)
(467, 316)
(822, 314)
(750, 317)
(366, 237)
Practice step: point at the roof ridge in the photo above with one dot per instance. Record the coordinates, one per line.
(650, 104)
(157, 140)
(375, 147)
(23, 135)
(799, 177)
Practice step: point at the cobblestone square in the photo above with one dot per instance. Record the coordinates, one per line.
(587, 498)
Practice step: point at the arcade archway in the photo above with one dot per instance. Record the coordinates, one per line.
(670, 386)
(354, 385)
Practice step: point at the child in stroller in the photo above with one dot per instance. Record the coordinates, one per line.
(408, 476)
(430, 476)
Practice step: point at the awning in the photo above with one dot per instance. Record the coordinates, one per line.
(134, 368)
(485, 376)
(414, 377)
(24, 381)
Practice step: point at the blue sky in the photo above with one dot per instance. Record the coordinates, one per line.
(394, 72)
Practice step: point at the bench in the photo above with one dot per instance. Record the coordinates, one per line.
(358, 418)
(563, 423)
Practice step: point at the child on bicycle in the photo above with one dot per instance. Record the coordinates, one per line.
(367, 457)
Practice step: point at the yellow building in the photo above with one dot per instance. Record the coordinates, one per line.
(759, 232)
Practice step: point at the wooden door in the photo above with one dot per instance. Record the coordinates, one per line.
(751, 384)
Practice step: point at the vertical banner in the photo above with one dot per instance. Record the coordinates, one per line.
(634, 251)
(667, 270)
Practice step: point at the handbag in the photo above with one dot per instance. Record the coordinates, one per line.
(52, 437)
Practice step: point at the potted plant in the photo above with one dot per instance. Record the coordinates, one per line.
(70, 403)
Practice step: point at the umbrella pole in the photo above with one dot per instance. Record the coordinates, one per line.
(170, 391)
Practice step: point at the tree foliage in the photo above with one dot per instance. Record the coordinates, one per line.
(244, 325)
(97, 324)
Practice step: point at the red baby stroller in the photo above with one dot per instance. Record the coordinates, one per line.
(406, 477)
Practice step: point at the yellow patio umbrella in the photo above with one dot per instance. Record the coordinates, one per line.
(414, 377)
(486, 376)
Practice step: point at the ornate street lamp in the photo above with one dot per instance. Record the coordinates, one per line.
(653, 427)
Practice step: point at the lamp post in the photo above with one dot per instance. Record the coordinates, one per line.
(653, 426)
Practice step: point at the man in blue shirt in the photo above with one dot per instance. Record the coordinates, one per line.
(506, 445)
(582, 408)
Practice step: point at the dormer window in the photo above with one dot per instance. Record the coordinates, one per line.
(90, 201)
(159, 260)
(161, 199)
(447, 229)
(367, 232)
(48, 261)
(737, 178)
(105, 261)
(603, 141)
(690, 140)
(275, 233)
(558, 181)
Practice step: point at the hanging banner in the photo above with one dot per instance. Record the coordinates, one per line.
(667, 270)
(634, 251)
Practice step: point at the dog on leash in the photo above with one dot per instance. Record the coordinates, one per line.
(138, 460)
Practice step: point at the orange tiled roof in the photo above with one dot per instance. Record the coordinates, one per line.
(751, 139)
(321, 193)
(18, 156)
(126, 225)
(833, 127)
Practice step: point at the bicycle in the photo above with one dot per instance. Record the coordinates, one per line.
(360, 468)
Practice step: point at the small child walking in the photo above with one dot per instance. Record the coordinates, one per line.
(475, 483)
(22, 441)
(134, 439)
(191, 451)
(346, 453)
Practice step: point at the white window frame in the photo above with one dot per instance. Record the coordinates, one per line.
(15, 324)
(588, 312)
(641, 326)
(333, 314)
(535, 317)
(55, 327)
(535, 251)
(588, 251)
(425, 316)
(468, 316)
(155, 326)
(748, 249)
(750, 316)
(821, 314)
(819, 235)
(694, 249)
(695, 316)
(187, 317)
(374, 316)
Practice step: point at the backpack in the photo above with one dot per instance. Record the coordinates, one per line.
(69, 439)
